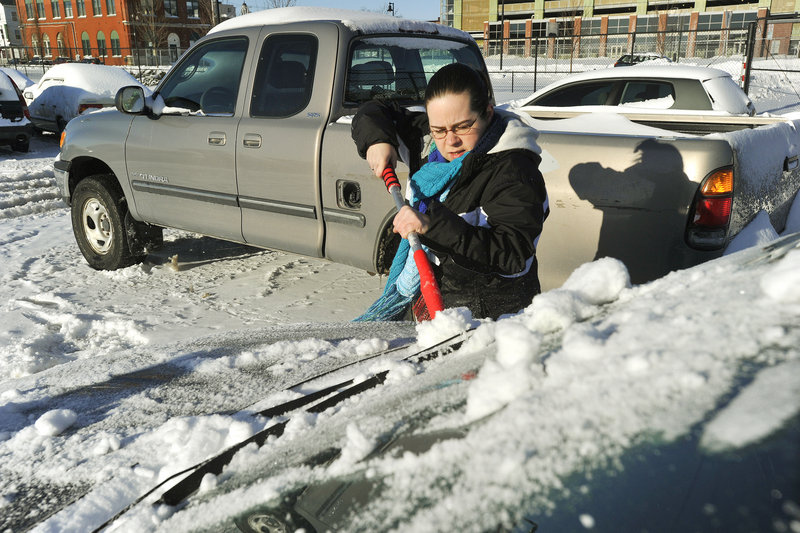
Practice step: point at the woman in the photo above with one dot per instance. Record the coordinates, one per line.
(478, 205)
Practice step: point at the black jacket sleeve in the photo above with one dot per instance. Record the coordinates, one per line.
(514, 203)
(378, 121)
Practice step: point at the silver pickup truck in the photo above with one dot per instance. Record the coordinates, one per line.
(247, 139)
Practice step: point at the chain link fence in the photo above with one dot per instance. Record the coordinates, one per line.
(148, 65)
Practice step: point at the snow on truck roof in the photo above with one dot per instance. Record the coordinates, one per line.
(363, 21)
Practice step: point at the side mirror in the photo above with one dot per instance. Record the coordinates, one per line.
(130, 100)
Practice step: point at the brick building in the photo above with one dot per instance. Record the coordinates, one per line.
(116, 32)
(704, 28)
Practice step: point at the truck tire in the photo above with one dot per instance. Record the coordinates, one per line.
(21, 146)
(98, 222)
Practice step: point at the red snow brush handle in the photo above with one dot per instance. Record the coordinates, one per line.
(427, 282)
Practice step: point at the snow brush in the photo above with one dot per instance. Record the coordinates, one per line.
(427, 282)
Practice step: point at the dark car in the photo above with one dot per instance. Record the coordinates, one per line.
(15, 124)
(634, 59)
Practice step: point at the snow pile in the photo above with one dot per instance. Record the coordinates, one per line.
(656, 103)
(54, 422)
(446, 324)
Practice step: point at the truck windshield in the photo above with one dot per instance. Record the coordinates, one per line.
(398, 68)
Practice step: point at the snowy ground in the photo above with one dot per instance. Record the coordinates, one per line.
(109, 382)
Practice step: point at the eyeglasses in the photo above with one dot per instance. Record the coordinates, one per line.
(459, 129)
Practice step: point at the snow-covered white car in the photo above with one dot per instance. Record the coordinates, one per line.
(15, 124)
(68, 90)
(20, 80)
(665, 88)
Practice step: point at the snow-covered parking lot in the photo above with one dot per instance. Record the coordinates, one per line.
(671, 406)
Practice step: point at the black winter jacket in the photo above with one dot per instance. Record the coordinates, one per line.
(484, 234)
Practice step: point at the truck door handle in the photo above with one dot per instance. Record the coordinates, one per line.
(251, 140)
(790, 163)
(217, 138)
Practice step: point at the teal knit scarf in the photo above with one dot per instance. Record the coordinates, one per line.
(432, 181)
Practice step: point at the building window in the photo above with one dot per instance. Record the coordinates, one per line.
(116, 49)
(13, 16)
(29, 9)
(40, 9)
(81, 7)
(96, 9)
(193, 9)
(56, 9)
(86, 44)
(647, 24)
(590, 26)
(62, 49)
(101, 44)
(46, 44)
(68, 8)
(171, 8)
(678, 22)
(741, 21)
(35, 46)
(111, 9)
(618, 25)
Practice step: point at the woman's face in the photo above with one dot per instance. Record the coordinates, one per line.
(451, 112)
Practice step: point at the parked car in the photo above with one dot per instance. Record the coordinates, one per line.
(20, 80)
(645, 89)
(634, 59)
(15, 124)
(70, 89)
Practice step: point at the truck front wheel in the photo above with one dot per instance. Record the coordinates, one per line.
(98, 222)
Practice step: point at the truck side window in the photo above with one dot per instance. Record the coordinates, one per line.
(207, 80)
(285, 75)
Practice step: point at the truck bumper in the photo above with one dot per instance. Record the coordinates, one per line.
(61, 171)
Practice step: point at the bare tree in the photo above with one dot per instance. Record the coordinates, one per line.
(149, 22)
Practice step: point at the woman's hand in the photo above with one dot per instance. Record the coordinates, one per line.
(407, 220)
(381, 156)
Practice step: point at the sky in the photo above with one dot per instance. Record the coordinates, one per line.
(411, 9)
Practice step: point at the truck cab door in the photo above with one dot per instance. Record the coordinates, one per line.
(279, 139)
(181, 161)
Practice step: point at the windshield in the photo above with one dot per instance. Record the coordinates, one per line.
(398, 68)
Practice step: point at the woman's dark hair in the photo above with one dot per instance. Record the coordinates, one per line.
(457, 78)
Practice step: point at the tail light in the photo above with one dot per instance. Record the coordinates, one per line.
(711, 213)
(84, 107)
(23, 104)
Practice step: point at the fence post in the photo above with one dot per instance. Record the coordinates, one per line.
(535, 62)
(748, 62)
